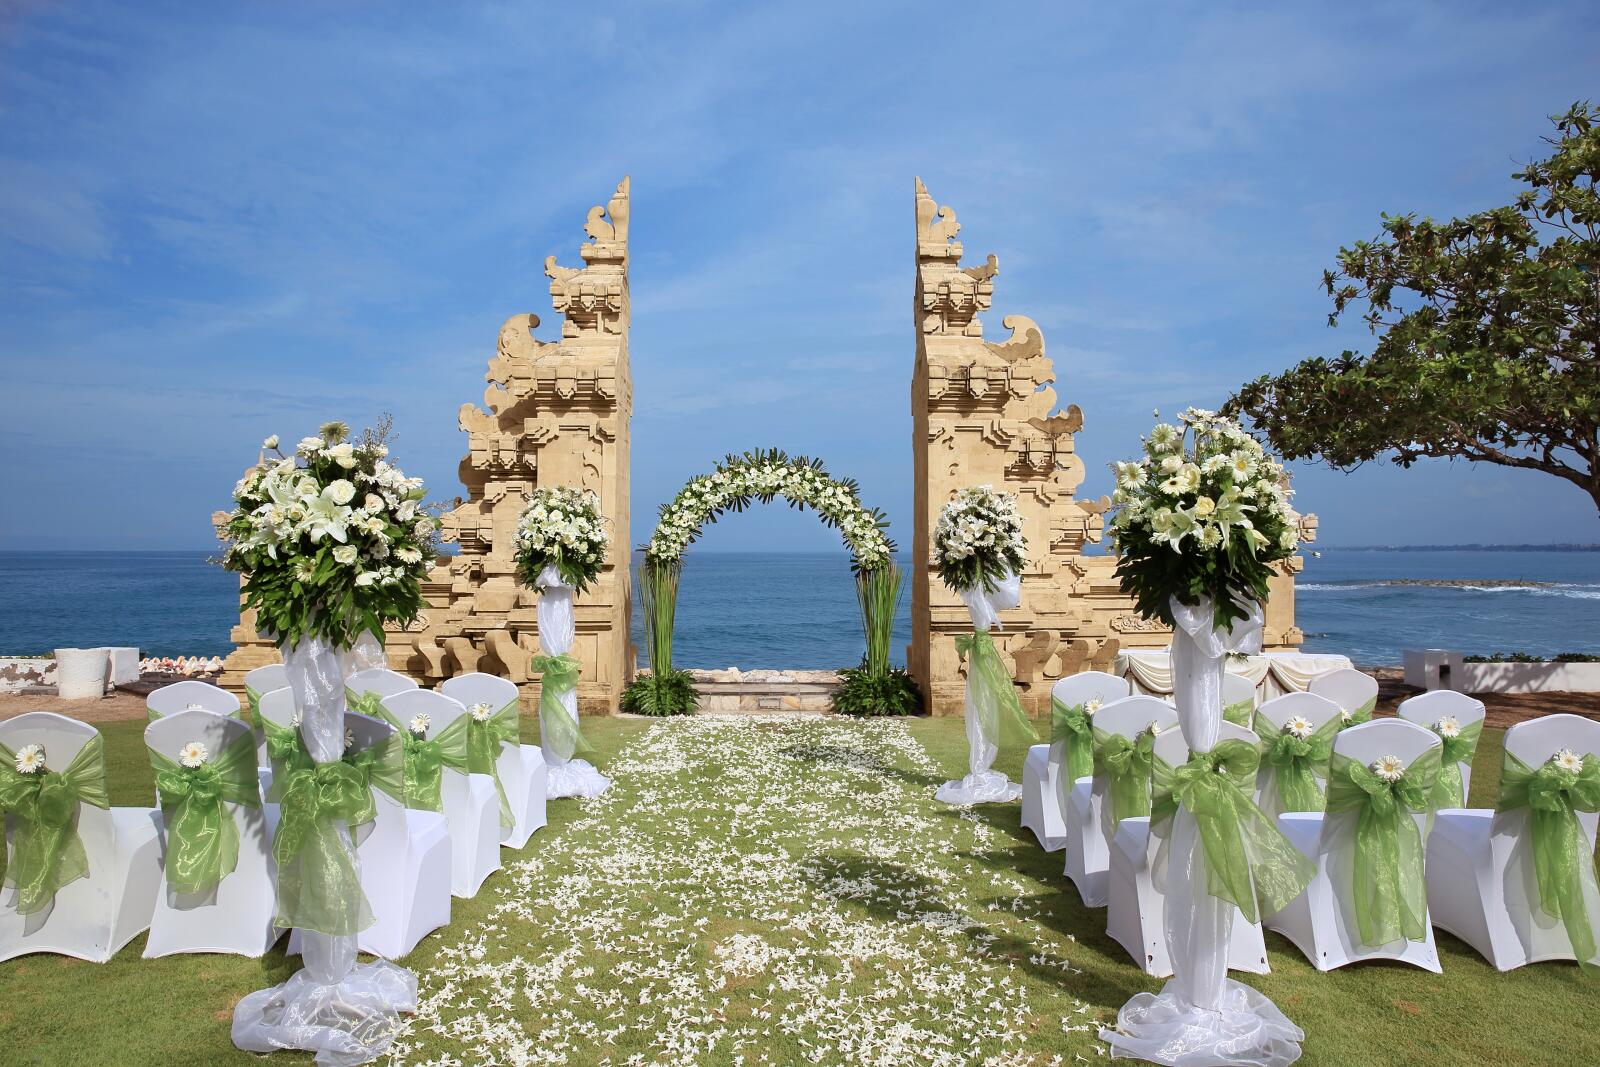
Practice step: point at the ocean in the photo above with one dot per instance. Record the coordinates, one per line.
(798, 610)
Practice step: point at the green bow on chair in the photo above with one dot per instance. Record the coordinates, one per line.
(1073, 726)
(1295, 763)
(1450, 791)
(46, 851)
(424, 759)
(1563, 860)
(1239, 712)
(559, 733)
(1386, 891)
(202, 838)
(1249, 862)
(318, 886)
(1357, 715)
(1126, 763)
(485, 738)
(287, 753)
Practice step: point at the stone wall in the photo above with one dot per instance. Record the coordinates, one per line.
(984, 412)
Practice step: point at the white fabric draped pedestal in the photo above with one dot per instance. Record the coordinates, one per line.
(564, 775)
(983, 785)
(345, 1013)
(1272, 673)
(1202, 1017)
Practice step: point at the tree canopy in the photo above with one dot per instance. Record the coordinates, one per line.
(1487, 328)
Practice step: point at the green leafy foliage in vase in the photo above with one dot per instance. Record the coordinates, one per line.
(1487, 326)
(864, 691)
(332, 541)
(561, 527)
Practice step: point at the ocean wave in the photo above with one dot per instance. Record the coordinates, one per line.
(1569, 590)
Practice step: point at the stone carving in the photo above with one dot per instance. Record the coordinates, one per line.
(557, 413)
(984, 412)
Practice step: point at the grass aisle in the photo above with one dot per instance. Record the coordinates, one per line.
(761, 891)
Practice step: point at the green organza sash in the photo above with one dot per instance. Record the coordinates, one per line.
(559, 732)
(985, 669)
(1450, 791)
(1563, 860)
(1125, 762)
(1072, 725)
(485, 738)
(151, 714)
(1239, 712)
(366, 703)
(424, 759)
(1386, 889)
(46, 851)
(1296, 762)
(202, 837)
(287, 753)
(1249, 862)
(318, 884)
(1358, 715)
(252, 700)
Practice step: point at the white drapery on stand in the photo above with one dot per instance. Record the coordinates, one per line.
(983, 785)
(564, 775)
(1202, 1017)
(1272, 673)
(345, 1013)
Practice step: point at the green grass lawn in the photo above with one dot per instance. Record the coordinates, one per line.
(879, 897)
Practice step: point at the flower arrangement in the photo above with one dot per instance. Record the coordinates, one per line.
(193, 755)
(333, 541)
(30, 759)
(978, 539)
(1204, 513)
(561, 527)
(763, 475)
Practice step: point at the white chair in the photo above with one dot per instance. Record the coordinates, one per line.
(1236, 689)
(405, 864)
(256, 682)
(1356, 693)
(93, 917)
(1318, 921)
(471, 805)
(380, 680)
(521, 767)
(1088, 821)
(236, 916)
(1042, 809)
(1137, 916)
(191, 695)
(1318, 711)
(1481, 883)
(1428, 708)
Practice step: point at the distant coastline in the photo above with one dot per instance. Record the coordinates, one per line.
(1459, 548)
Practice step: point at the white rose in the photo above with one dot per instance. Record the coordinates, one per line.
(345, 554)
(343, 454)
(366, 577)
(340, 491)
(309, 446)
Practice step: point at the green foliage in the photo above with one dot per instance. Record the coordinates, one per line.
(658, 593)
(1528, 657)
(863, 692)
(671, 692)
(878, 594)
(1487, 329)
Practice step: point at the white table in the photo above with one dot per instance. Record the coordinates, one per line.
(1272, 673)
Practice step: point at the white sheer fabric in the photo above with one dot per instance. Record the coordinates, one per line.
(366, 654)
(1272, 673)
(564, 775)
(983, 785)
(1202, 1017)
(346, 1014)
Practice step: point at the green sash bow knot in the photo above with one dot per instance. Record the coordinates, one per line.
(1126, 763)
(1239, 712)
(202, 838)
(1563, 861)
(559, 732)
(1001, 717)
(485, 738)
(367, 703)
(1249, 862)
(423, 760)
(287, 753)
(1072, 725)
(1358, 715)
(46, 851)
(1387, 890)
(318, 886)
(1295, 762)
(1450, 791)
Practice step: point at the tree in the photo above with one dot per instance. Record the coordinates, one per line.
(1487, 334)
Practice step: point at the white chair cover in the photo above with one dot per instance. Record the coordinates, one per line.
(471, 804)
(1425, 709)
(236, 916)
(1043, 796)
(192, 695)
(379, 680)
(522, 767)
(1349, 688)
(1315, 709)
(94, 916)
(1317, 921)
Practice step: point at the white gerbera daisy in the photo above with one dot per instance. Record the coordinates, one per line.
(30, 759)
(193, 754)
(1346, 716)
(349, 738)
(296, 719)
(481, 712)
(419, 725)
(1299, 726)
(1568, 760)
(1448, 726)
(1389, 768)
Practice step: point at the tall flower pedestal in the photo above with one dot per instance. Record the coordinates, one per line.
(559, 733)
(991, 707)
(1203, 1017)
(347, 1013)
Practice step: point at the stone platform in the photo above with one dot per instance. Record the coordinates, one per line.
(757, 691)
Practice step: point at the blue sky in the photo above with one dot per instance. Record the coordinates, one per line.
(223, 221)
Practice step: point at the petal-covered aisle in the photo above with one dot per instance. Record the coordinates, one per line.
(759, 890)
